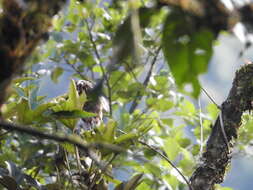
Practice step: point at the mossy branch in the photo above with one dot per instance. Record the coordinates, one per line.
(22, 26)
(218, 150)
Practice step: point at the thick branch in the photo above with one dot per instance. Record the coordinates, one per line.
(22, 26)
(217, 155)
(72, 139)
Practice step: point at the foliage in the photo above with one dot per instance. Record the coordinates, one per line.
(118, 42)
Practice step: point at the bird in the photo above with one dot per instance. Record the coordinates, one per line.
(96, 103)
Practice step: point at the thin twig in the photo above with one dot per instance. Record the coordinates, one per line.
(109, 96)
(146, 81)
(201, 128)
(223, 130)
(58, 178)
(165, 158)
(92, 41)
(100, 65)
(93, 181)
(72, 139)
(152, 65)
(68, 166)
(210, 97)
(75, 69)
(130, 69)
(119, 79)
(78, 160)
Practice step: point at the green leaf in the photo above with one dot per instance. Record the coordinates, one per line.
(159, 104)
(22, 79)
(32, 99)
(97, 69)
(20, 91)
(69, 147)
(186, 49)
(187, 108)
(143, 129)
(8, 110)
(224, 188)
(109, 134)
(152, 168)
(106, 133)
(187, 161)
(143, 186)
(75, 101)
(26, 115)
(57, 72)
(172, 181)
(23, 113)
(71, 47)
(72, 114)
(172, 148)
(73, 96)
(125, 137)
(71, 108)
(213, 111)
(168, 121)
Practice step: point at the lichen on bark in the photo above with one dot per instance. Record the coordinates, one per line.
(217, 156)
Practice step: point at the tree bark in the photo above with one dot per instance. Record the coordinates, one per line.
(216, 158)
(22, 25)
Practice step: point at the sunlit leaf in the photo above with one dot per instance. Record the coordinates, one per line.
(125, 137)
(213, 111)
(71, 108)
(32, 99)
(109, 133)
(20, 91)
(72, 114)
(172, 148)
(153, 168)
(22, 79)
(143, 186)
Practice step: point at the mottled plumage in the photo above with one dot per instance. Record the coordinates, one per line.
(94, 104)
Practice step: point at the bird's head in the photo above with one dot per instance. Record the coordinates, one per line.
(94, 93)
(84, 86)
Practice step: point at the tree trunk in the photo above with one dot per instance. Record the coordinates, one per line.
(22, 25)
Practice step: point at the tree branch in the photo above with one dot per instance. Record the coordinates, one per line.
(217, 155)
(168, 160)
(105, 77)
(72, 139)
(146, 81)
(157, 151)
